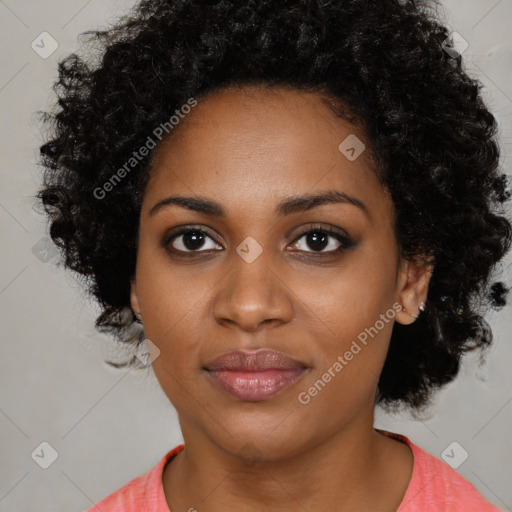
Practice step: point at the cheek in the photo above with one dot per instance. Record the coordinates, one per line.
(170, 294)
(348, 362)
(350, 316)
(174, 306)
(350, 298)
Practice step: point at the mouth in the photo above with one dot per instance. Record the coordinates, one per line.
(254, 376)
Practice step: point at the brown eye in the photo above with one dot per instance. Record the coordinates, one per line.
(321, 238)
(190, 241)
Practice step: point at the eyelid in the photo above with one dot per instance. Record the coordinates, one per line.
(326, 228)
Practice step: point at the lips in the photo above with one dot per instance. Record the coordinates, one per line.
(254, 376)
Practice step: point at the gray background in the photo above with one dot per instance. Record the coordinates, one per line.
(109, 426)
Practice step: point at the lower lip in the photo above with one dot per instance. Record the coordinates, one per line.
(256, 385)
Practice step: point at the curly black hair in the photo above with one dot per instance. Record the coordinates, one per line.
(381, 65)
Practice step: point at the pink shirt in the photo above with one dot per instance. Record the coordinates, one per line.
(434, 487)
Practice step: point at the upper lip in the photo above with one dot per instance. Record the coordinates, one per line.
(260, 360)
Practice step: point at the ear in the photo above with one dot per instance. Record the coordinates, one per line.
(413, 281)
(134, 299)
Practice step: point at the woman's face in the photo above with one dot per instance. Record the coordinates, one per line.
(254, 280)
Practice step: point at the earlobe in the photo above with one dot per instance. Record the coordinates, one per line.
(413, 289)
(421, 307)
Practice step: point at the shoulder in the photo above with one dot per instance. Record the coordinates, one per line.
(144, 492)
(436, 486)
(128, 498)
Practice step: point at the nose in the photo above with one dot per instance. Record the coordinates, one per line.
(252, 296)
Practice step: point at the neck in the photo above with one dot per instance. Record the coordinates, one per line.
(348, 471)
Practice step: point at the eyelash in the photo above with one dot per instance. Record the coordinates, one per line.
(345, 241)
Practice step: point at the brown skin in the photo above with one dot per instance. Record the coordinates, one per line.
(248, 149)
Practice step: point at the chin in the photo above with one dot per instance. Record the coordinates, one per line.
(258, 439)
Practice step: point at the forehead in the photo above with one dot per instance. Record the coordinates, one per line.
(249, 145)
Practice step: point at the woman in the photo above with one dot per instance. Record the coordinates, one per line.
(297, 205)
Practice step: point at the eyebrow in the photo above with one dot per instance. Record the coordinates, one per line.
(288, 206)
